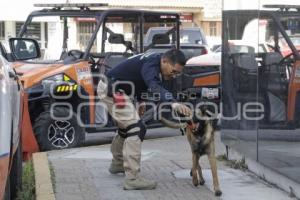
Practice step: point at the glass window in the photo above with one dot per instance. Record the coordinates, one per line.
(213, 28)
(260, 107)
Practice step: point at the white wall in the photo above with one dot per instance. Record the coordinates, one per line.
(254, 4)
(55, 38)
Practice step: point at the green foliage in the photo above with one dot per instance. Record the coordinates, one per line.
(235, 164)
(28, 183)
(52, 174)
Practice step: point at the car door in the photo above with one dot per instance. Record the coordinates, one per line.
(5, 123)
(5, 108)
(15, 98)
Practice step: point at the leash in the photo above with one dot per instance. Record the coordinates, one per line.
(182, 130)
(189, 124)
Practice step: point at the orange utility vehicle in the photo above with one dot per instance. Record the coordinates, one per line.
(266, 81)
(61, 71)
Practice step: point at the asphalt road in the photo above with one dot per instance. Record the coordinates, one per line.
(106, 137)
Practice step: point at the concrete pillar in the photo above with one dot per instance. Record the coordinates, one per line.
(55, 37)
(73, 42)
(43, 40)
(10, 29)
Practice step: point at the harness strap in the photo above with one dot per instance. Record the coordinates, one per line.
(124, 133)
(125, 130)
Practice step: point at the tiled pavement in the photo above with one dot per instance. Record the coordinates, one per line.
(81, 174)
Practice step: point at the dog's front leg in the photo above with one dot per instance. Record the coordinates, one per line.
(196, 171)
(213, 166)
(201, 181)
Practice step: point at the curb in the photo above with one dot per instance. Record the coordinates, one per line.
(43, 184)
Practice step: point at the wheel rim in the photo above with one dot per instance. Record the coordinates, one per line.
(61, 134)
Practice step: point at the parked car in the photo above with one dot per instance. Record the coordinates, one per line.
(192, 40)
(210, 59)
(10, 138)
(235, 46)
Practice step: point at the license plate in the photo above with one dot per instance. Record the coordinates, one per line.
(210, 93)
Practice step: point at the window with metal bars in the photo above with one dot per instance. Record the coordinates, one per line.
(33, 30)
(212, 28)
(85, 31)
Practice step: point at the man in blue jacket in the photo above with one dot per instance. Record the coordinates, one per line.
(134, 77)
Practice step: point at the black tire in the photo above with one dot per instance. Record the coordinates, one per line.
(16, 172)
(54, 134)
(7, 190)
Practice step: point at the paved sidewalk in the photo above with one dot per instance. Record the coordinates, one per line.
(82, 174)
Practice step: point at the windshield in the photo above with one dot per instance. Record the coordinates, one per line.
(57, 35)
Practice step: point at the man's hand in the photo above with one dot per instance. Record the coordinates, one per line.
(182, 109)
(141, 108)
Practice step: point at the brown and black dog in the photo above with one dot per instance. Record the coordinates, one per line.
(200, 135)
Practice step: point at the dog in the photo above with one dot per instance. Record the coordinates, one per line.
(200, 135)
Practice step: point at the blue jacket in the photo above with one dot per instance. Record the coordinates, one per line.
(143, 70)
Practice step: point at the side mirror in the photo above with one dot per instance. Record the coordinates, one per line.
(24, 48)
(116, 39)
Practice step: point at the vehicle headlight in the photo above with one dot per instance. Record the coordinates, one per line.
(52, 80)
(59, 83)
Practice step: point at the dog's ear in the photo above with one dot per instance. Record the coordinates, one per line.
(207, 112)
(199, 113)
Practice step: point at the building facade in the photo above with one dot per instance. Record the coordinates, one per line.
(203, 13)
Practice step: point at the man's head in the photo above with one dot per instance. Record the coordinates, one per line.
(171, 63)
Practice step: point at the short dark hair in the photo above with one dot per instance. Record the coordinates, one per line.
(175, 56)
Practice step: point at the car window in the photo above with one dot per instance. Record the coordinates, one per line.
(190, 37)
(187, 36)
(153, 31)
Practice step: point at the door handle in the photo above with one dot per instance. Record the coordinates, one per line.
(13, 75)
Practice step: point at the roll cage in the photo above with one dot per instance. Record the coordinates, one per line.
(276, 15)
(103, 16)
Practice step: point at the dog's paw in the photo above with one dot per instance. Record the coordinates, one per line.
(218, 193)
(202, 182)
(195, 180)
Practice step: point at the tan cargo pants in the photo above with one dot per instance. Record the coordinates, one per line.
(126, 152)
